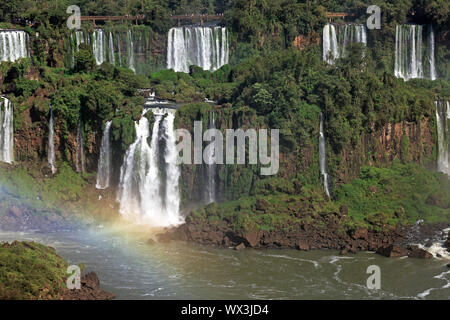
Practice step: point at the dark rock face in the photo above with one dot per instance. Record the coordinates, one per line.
(90, 290)
(418, 253)
(302, 237)
(391, 251)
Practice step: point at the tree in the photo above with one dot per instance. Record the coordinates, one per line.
(84, 59)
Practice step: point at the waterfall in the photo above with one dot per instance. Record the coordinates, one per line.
(112, 59)
(433, 75)
(51, 144)
(6, 131)
(409, 53)
(130, 44)
(337, 39)
(104, 46)
(211, 169)
(206, 47)
(13, 45)
(442, 119)
(104, 163)
(99, 46)
(172, 196)
(148, 187)
(323, 157)
(119, 50)
(80, 159)
(330, 44)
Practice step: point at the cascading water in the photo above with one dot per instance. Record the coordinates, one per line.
(13, 45)
(130, 51)
(105, 160)
(442, 120)
(51, 143)
(323, 157)
(409, 53)
(6, 131)
(349, 34)
(433, 74)
(330, 44)
(206, 47)
(80, 162)
(105, 46)
(99, 46)
(112, 58)
(148, 187)
(210, 194)
(172, 198)
(337, 39)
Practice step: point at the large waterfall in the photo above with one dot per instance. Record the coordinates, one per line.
(148, 189)
(80, 162)
(6, 131)
(51, 143)
(323, 157)
(210, 191)
(206, 47)
(13, 45)
(336, 39)
(105, 161)
(443, 134)
(411, 56)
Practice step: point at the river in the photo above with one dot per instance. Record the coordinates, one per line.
(131, 268)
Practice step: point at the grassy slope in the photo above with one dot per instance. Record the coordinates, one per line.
(29, 270)
(380, 198)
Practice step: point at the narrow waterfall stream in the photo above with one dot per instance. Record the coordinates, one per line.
(80, 161)
(6, 131)
(210, 191)
(323, 157)
(442, 120)
(51, 143)
(105, 160)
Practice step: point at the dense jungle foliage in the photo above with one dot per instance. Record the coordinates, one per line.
(270, 80)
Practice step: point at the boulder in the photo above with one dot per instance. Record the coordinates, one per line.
(302, 245)
(360, 233)
(252, 237)
(392, 251)
(240, 246)
(418, 253)
(262, 204)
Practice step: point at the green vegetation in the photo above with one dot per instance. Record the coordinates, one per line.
(29, 270)
(380, 198)
(44, 193)
(270, 83)
(403, 191)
